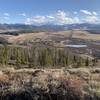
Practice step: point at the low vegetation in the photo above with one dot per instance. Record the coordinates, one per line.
(49, 84)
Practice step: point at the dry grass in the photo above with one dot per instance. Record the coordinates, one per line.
(69, 84)
(85, 35)
(50, 35)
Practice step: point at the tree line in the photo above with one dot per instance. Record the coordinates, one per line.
(41, 57)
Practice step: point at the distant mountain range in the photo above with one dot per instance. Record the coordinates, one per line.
(84, 26)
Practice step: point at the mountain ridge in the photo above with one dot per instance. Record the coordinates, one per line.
(83, 26)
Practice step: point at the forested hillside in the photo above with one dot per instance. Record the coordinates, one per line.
(41, 57)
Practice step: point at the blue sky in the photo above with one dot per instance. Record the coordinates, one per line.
(40, 12)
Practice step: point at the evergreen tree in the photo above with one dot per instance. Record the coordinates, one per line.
(87, 62)
(78, 62)
(94, 61)
(46, 58)
(5, 55)
(18, 56)
(74, 59)
(23, 57)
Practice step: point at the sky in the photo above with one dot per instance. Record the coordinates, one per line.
(40, 12)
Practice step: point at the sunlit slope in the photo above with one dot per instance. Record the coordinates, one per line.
(62, 35)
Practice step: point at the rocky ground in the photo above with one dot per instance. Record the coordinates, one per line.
(50, 84)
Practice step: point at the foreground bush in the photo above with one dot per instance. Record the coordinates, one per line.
(45, 85)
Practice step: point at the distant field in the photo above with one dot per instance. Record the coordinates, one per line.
(51, 35)
(86, 35)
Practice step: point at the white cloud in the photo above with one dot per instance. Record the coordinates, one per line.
(6, 14)
(6, 18)
(23, 14)
(86, 12)
(37, 20)
(62, 18)
(28, 21)
(75, 12)
(92, 19)
(61, 13)
(59, 18)
(94, 13)
(89, 13)
(76, 20)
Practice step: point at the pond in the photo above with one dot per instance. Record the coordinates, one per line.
(76, 46)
